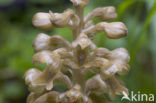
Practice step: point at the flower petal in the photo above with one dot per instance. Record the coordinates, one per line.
(113, 30)
(96, 85)
(59, 41)
(120, 54)
(101, 62)
(41, 42)
(64, 53)
(30, 78)
(101, 52)
(64, 79)
(32, 97)
(42, 20)
(48, 57)
(45, 42)
(115, 86)
(104, 13)
(67, 18)
(73, 95)
(70, 63)
(39, 81)
(83, 41)
(50, 97)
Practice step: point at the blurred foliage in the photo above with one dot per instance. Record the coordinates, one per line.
(6, 2)
(17, 35)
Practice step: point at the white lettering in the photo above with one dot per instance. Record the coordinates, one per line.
(151, 97)
(133, 97)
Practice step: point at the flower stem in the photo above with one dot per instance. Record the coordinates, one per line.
(78, 29)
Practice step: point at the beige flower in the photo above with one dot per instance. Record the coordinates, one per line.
(70, 63)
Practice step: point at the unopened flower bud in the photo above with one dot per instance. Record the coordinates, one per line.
(113, 30)
(42, 21)
(67, 18)
(107, 13)
(104, 13)
(120, 53)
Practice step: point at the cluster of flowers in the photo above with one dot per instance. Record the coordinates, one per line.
(69, 63)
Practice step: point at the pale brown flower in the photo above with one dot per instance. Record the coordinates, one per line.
(69, 63)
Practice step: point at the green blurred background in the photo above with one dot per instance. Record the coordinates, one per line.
(17, 35)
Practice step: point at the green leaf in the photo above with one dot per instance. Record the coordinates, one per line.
(138, 39)
(122, 7)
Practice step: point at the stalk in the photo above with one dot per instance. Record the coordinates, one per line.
(78, 29)
(78, 77)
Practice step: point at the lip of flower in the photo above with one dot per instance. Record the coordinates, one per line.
(83, 41)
